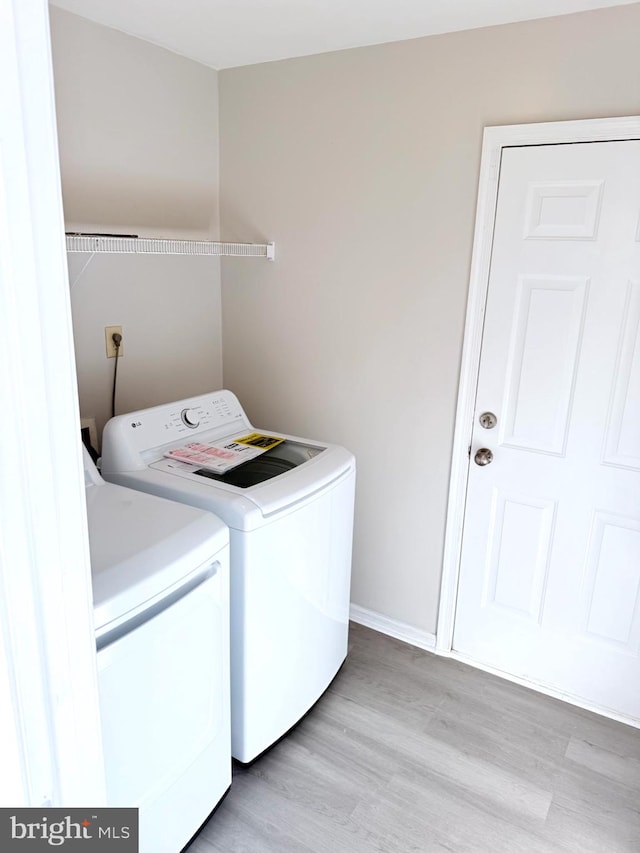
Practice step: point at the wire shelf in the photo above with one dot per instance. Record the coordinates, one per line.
(125, 245)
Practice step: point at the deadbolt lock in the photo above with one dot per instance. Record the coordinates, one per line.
(488, 420)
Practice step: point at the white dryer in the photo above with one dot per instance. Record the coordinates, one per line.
(160, 574)
(290, 515)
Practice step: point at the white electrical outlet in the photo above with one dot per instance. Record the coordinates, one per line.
(109, 331)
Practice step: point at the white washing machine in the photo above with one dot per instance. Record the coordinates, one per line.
(160, 574)
(290, 515)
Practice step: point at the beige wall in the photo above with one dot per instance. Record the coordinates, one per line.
(138, 138)
(362, 165)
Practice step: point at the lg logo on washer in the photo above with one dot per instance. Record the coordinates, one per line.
(106, 829)
(135, 424)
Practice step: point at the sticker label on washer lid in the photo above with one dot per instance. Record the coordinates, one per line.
(256, 439)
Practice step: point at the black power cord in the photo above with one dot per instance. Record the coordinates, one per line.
(116, 337)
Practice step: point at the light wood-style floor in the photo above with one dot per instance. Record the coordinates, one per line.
(408, 752)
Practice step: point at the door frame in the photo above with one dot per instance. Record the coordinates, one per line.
(50, 732)
(494, 140)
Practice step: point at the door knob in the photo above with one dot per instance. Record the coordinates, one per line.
(483, 456)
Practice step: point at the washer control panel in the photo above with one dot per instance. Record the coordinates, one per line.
(218, 414)
(134, 440)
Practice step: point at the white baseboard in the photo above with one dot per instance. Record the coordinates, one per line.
(393, 628)
(424, 640)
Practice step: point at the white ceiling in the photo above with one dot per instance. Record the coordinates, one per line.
(227, 33)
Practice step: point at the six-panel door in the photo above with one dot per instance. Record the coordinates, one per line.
(550, 574)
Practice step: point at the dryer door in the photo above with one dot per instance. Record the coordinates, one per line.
(164, 701)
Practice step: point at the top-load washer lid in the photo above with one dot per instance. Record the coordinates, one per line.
(255, 471)
(143, 547)
(134, 447)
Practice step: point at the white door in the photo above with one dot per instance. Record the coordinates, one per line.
(549, 583)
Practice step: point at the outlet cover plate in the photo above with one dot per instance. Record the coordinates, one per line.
(111, 349)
